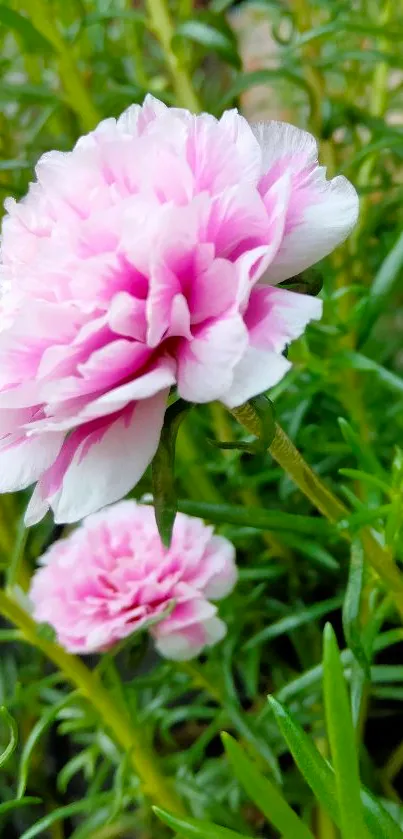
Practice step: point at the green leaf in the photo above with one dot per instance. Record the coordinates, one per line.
(13, 735)
(192, 828)
(209, 37)
(257, 518)
(371, 480)
(245, 81)
(258, 745)
(320, 776)
(33, 41)
(264, 794)
(311, 764)
(297, 619)
(388, 275)
(163, 466)
(352, 606)
(342, 741)
(35, 734)
(358, 361)
(39, 828)
(363, 453)
(33, 94)
(7, 806)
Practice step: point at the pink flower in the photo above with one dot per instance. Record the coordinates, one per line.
(112, 576)
(144, 259)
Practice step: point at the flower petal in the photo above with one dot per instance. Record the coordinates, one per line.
(256, 372)
(26, 460)
(107, 462)
(321, 213)
(205, 366)
(275, 316)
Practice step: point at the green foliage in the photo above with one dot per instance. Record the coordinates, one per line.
(335, 69)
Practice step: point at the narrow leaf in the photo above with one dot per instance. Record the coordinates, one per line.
(35, 734)
(209, 37)
(320, 776)
(257, 518)
(33, 40)
(311, 764)
(264, 794)
(193, 828)
(13, 735)
(294, 621)
(384, 283)
(342, 741)
(7, 806)
(41, 826)
(352, 606)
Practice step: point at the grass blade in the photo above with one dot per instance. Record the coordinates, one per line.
(352, 606)
(195, 828)
(320, 776)
(13, 735)
(264, 794)
(342, 741)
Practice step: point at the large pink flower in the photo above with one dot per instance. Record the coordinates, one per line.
(112, 576)
(144, 259)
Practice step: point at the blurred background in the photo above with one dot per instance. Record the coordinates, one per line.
(336, 69)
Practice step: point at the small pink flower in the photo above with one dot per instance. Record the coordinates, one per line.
(112, 576)
(144, 259)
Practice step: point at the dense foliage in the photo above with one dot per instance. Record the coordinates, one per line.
(78, 741)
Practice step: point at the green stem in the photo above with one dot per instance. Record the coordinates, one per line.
(128, 737)
(78, 96)
(289, 458)
(164, 31)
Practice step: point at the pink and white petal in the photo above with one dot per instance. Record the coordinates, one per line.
(136, 118)
(223, 581)
(147, 385)
(26, 459)
(294, 148)
(103, 369)
(206, 364)
(127, 316)
(257, 371)
(275, 316)
(240, 133)
(253, 264)
(237, 221)
(186, 613)
(326, 221)
(37, 508)
(106, 466)
(184, 646)
(213, 291)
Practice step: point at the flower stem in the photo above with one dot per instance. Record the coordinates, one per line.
(163, 29)
(289, 458)
(114, 718)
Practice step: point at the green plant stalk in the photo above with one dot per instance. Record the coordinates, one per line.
(289, 458)
(77, 94)
(128, 737)
(163, 29)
